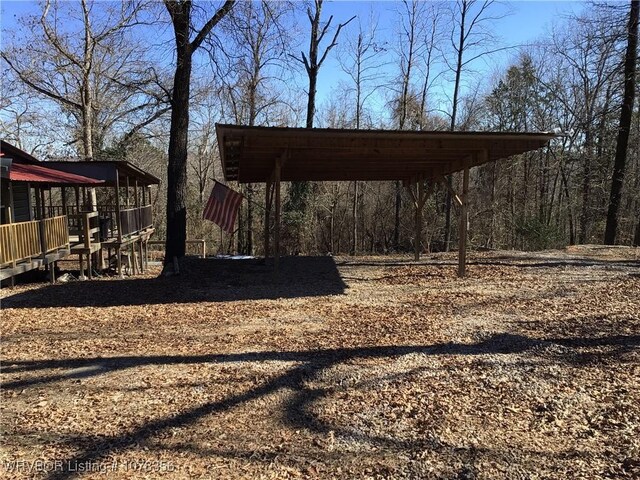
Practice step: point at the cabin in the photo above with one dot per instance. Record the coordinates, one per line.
(29, 238)
(122, 205)
(105, 207)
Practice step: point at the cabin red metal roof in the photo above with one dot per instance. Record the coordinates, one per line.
(38, 174)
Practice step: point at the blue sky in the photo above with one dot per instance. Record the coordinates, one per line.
(526, 22)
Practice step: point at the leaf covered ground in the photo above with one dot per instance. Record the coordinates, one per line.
(354, 367)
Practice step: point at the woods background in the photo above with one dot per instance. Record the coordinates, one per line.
(95, 80)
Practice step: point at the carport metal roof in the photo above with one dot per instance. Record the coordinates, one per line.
(248, 153)
(273, 155)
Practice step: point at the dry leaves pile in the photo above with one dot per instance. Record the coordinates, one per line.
(338, 368)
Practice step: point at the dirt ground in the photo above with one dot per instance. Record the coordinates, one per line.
(346, 367)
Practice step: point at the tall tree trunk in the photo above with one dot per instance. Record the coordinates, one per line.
(625, 125)
(585, 219)
(178, 143)
(180, 12)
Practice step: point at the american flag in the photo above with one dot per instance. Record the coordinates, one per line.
(222, 207)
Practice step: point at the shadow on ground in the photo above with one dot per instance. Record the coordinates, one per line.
(204, 280)
(298, 410)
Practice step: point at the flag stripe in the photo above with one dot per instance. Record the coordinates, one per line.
(222, 206)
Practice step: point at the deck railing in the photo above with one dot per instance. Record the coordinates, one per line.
(24, 240)
(134, 220)
(56, 233)
(86, 227)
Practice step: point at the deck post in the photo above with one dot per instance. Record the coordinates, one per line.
(276, 256)
(267, 214)
(133, 261)
(118, 225)
(464, 220)
(12, 233)
(127, 187)
(77, 192)
(81, 260)
(63, 194)
(43, 204)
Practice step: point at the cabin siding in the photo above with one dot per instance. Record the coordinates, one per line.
(21, 210)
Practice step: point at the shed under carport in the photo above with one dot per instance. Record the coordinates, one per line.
(272, 155)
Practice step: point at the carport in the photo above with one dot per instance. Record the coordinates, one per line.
(273, 155)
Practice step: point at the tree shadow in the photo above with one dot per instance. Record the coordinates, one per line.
(298, 411)
(205, 280)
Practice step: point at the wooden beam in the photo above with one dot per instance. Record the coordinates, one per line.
(464, 220)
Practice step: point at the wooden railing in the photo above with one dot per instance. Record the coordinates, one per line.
(24, 240)
(56, 233)
(133, 220)
(86, 226)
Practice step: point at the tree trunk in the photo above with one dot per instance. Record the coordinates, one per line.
(178, 142)
(625, 126)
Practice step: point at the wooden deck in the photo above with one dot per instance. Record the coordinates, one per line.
(25, 246)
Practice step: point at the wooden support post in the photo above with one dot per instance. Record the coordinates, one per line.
(464, 220)
(12, 232)
(63, 193)
(140, 248)
(127, 187)
(132, 261)
(118, 224)
(81, 261)
(418, 220)
(43, 205)
(77, 191)
(276, 256)
(119, 261)
(267, 214)
(52, 272)
(135, 193)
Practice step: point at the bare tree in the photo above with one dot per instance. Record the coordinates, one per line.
(312, 61)
(80, 64)
(361, 61)
(259, 42)
(470, 35)
(625, 124)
